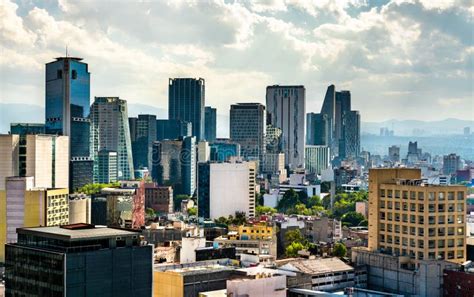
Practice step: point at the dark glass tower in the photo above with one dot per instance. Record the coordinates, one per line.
(67, 110)
(247, 128)
(317, 129)
(210, 123)
(143, 134)
(80, 260)
(186, 98)
(172, 129)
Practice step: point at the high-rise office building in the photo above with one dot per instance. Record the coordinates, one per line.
(175, 164)
(318, 158)
(142, 134)
(394, 153)
(79, 259)
(27, 128)
(44, 157)
(286, 109)
(107, 170)
(317, 129)
(203, 151)
(172, 129)
(9, 157)
(247, 128)
(416, 220)
(223, 149)
(339, 126)
(226, 188)
(349, 144)
(413, 152)
(210, 126)
(186, 99)
(451, 163)
(67, 111)
(23, 205)
(110, 132)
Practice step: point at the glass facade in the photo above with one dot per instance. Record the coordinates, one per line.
(186, 98)
(204, 171)
(43, 265)
(221, 151)
(80, 173)
(111, 132)
(172, 129)
(210, 123)
(143, 134)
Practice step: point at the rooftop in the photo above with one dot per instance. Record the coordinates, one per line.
(76, 232)
(317, 266)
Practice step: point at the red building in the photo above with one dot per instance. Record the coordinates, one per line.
(458, 283)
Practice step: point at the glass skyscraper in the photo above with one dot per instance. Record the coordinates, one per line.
(110, 132)
(172, 129)
(186, 97)
(210, 123)
(67, 108)
(247, 127)
(143, 134)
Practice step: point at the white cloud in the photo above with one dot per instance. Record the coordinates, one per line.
(407, 51)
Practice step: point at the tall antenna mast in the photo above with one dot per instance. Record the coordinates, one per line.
(66, 50)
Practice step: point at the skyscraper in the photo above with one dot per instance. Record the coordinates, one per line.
(318, 158)
(110, 132)
(451, 163)
(67, 110)
(172, 129)
(174, 164)
(339, 124)
(186, 99)
(317, 129)
(210, 120)
(349, 144)
(286, 110)
(142, 134)
(247, 128)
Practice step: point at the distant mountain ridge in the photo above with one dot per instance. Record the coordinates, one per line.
(17, 112)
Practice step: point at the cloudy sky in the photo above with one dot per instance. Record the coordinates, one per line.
(400, 59)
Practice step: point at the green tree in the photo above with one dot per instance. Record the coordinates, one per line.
(177, 201)
(292, 249)
(352, 219)
(315, 201)
(339, 250)
(326, 201)
(192, 211)
(288, 201)
(260, 210)
(92, 189)
(294, 236)
(150, 213)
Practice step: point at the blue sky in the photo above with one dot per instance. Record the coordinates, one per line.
(400, 59)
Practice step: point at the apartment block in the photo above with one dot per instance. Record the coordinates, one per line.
(410, 218)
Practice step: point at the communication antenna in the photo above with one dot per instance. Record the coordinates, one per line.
(66, 50)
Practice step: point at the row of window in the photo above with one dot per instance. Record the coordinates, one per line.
(440, 255)
(440, 231)
(420, 207)
(386, 193)
(414, 219)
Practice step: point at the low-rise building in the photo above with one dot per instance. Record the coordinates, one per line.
(79, 209)
(159, 198)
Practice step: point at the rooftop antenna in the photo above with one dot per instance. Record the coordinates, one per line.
(66, 50)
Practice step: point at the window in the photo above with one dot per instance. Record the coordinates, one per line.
(59, 74)
(421, 196)
(441, 196)
(450, 195)
(460, 195)
(74, 74)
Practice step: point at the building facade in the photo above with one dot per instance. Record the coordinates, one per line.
(159, 198)
(416, 220)
(23, 205)
(210, 120)
(173, 129)
(318, 158)
(67, 107)
(110, 132)
(247, 128)
(142, 134)
(317, 129)
(80, 260)
(186, 99)
(394, 153)
(175, 164)
(286, 109)
(222, 150)
(226, 188)
(451, 163)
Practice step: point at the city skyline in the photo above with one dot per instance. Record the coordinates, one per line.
(234, 60)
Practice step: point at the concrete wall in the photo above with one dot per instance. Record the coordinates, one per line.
(80, 210)
(9, 149)
(188, 248)
(262, 287)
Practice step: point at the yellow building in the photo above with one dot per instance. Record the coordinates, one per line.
(410, 218)
(22, 205)
(251, 232)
